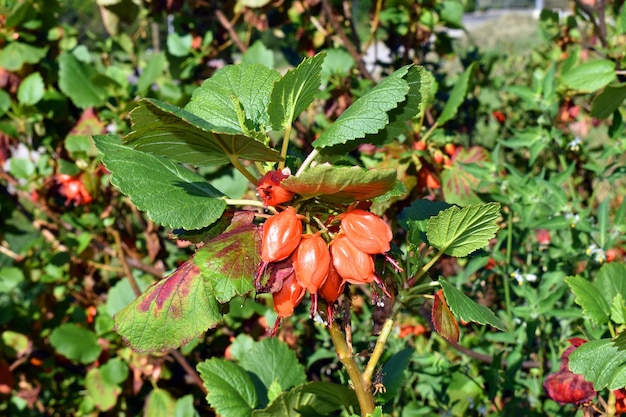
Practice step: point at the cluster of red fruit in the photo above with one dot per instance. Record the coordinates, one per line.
(300, 262)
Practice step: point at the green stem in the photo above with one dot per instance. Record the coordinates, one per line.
(285, 146)
(507, 289)
(243, 202)
(429, 132)
(378, 349)
(428, 265)
(363, 393)
(243, 170)
(307, 162)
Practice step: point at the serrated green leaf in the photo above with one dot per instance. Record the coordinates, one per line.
(610, 281)
(279, 364)
(171, 194)
(31, 89)
(590, 298)
(590, 76)
(467, 309)
(601, 362)
(295, 91)
(618, 310)
(103, 394)
(218, 98)
(160, 403)
(230, 389)
(461, 231)
(75, 343)
(368, 114)
(75, 81)
(298, 402)
(228, 262)
(341, 184)
(457, 96)
(153, 70)
(166, 130)
(169, 313)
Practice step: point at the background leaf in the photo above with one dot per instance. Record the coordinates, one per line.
(344, 185)
(169, 313)
(609, 100)
(601, 362)
(75, 343)
(589, 76)
(153, 70)
(467, 309)
(160, 404)
(610, 281)
(171, 194)
(590, 298)
(461, 231)
(75, 81)
(295, 91)
(31, 89)
(103, 393)
(458, 184)
(301, 401)
(231, 391)
(457, 96)
(167, 130)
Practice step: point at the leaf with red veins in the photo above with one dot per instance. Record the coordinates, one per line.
(170, 312)
(443, 319)
(228, 262)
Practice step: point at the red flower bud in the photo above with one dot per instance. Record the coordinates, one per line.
(368, 232)
(270, 190)
(288, 297)
(332, 287)
(281, 235)
(311, 261)
(352, 264)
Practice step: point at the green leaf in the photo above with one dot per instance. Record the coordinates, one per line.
(218, 99)
(368, 114)
(279, 363)
(338, 62)
(467, 309)
(303, 400)
(420, 211)
(618, 309)
(609, 100)
(457, 96)
(341, 184)
(31, 89)
(153, 70)
(393, 373)
(258, 53)
(14, 55)
(114, 372)
(5, 102)
(443, 320)
(171, 194)
(295, 91)
(160, 403)
(601, 362)
(458, 184)
(228, 262)
(121, 294)
(103, 394)
(185, 408)
(610, 281)
(331, 393)
(169, 313)
(590, 298)
(179, 45)
(589, 76)
(75, 343)
(460, 231)
(452, 13)
(76, 82)
(167, 130)
(231, 391)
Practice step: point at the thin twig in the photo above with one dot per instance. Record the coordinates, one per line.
(125, 267)
(190, 371)
(230, 29)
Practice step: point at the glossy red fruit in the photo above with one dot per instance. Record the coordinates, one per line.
(288, 297)
(270, 190)
(281, 235)
(368, 232)
(352, 264)
(311, 261)
(449, 149)
(499, 116)
(332, 287)
(438, 157)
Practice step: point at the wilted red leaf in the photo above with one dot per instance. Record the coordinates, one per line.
(565, 387)
(443, 320)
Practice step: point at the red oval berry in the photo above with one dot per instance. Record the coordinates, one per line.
(311, 261)
(438, 157)
(281, 235)
(368, 232)
(270, 190)
(450, 149)
(288, 297)
(333, 286)
(352, 264)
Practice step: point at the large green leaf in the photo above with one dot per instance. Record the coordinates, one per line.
(230, 389)
(341, 184)
(295, 91)
(609, 100)
(169, 313)
(467, 309)
(590, 76)
(76, 82)
(171, 194)
(457, 95)
(461, 231)
(601, 362)
(220, 98)
(304, 400)
(163, 129)
(228, 262)
(590, 298)
(75, 343)
(367, 115)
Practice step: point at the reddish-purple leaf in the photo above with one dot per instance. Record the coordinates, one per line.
(443, 320)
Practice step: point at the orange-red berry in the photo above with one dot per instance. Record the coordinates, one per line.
(281, 235)
(333, 286)
(368, 232)
(311, 261)
(270, 190)
(288, 297)
(352, 264)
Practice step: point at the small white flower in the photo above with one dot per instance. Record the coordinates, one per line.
(574, 145)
